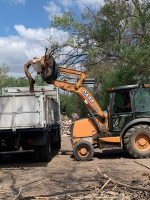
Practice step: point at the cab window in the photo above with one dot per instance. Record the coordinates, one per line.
(142, 102)
(122, 103)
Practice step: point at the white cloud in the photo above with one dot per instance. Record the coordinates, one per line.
(58, 7)
(66, 3)
(52, 9)
(90, 3)
(15, 51)
(17, 1)
(32, 34)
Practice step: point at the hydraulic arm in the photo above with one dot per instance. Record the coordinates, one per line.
(85, 95)
(46, 67)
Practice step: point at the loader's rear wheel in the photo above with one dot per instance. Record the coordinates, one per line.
(83, 150)
(142, 142)
(137, 141)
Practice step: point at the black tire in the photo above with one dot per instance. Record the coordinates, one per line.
(57, 145)
(83, 150)
(46, 150)
(35, 155)
(1, 158)
(137, 141)
(57, 139)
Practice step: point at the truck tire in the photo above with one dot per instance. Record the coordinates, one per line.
(56, 139)
(83, 150)
(137, 141)
(1, 158)
(35, 155)
(46, 150)
(57, 145)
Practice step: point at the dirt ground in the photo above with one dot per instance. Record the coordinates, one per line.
(65, 178)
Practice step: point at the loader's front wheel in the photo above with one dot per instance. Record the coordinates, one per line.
(137, 141)
(83, 150)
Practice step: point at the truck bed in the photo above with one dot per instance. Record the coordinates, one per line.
(20, 109)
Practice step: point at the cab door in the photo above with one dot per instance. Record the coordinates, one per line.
(121, 111)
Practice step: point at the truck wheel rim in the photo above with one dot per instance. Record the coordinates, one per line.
(142, 142)
(83, 151)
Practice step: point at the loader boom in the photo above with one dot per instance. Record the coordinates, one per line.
(82, 92)
(47, 68)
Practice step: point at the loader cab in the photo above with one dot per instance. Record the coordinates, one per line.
(127, 103)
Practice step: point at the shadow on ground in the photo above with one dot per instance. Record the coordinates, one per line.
(22, 160)
(112, 154)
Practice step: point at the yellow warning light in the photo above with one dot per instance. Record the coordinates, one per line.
(110, 89)
(147, 85)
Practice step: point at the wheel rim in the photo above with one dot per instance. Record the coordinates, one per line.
(142, 142)
(83, 151)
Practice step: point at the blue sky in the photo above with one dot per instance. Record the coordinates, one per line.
(26, 14)
(24, 28)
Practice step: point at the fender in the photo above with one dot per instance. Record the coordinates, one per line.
(134, 122)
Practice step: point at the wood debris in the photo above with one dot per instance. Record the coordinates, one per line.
(65, 125)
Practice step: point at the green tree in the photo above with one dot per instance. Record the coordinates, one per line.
(7, 81)
(14, 82)
(117, 33)
(4, 69)
(39, 81)
(70, 104)
(112, 42)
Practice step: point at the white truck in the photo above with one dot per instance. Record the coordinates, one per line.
(30, 121)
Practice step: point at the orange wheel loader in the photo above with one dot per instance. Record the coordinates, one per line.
(126, 123)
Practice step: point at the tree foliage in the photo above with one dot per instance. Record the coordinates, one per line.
(39, 81)
(117, 33)
(112, 42)
(7, 81)
(70, 104)
(4, 69)
(14, 82)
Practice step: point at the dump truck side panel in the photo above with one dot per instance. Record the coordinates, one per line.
(21, 112)
(30, 121)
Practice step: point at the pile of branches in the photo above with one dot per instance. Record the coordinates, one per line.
(109, 190)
